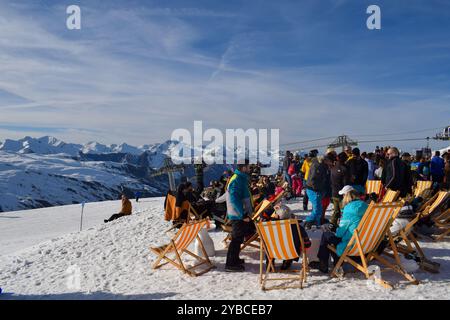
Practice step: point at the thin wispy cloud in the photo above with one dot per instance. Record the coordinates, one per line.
(136, 71)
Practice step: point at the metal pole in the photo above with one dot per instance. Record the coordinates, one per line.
(81, 220)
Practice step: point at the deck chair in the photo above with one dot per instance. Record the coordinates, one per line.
(278, 197)
(405, 239)
(443, 223)
(421, 186)
(171, 213)
(277, 242)
(367, 237)
(374, 186)
(179, 245)
(390, 196)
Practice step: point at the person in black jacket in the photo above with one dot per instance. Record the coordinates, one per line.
(397, 174)
(315, 188)
(339, 179)
(358, 171)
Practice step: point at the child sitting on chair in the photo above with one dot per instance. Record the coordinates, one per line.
(283, 212)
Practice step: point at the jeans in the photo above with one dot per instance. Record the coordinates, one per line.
(305, 198)
(240, 230)
(324, 253)
(316, 201)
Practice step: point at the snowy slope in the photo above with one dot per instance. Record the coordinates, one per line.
(33, 181)
(114, 262)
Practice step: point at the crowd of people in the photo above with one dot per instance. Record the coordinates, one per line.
(333, 178)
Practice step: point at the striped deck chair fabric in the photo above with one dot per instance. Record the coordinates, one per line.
(390, 196)
(373, 186)
(441, 198)
(371, 231)
(277, 242)
(179, 245)
(373, 227)
(278, 237)
(421, 186)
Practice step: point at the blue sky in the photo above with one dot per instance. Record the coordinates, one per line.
(139, 69)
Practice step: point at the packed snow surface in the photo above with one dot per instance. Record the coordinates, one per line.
(42, 250)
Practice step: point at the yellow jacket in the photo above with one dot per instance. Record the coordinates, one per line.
(305, 168)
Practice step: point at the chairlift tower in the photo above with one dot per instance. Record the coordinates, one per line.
(444, 135)
(342, 141)
(169, 168)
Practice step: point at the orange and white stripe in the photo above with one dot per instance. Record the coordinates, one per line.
(278, 239)
(373, 186)
(442, 196)
(373, 226)
(187, 234)
(421, 186)
(390, 196)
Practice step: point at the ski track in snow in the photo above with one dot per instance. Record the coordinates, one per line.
(37, 247)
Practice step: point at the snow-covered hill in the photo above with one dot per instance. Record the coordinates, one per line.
(45, 251)
(42, 172)
(34, 181)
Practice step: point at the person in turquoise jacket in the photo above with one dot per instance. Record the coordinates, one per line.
(239, 210)
(353, 211)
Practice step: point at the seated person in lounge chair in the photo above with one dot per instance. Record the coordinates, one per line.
(352, 213)
(283, 212)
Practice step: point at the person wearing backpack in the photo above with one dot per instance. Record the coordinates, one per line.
(316, 187)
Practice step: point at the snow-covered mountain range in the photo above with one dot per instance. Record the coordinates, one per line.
(52, 145)
(42, 172)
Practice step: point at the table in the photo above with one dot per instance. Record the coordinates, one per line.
(315, 236)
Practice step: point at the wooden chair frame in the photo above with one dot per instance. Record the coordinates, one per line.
(442, 222)
(163, 252)
(292, 275)
(367, 257)
(405, 240)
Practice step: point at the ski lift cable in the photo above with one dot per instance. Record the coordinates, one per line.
(363, 141)
(306, 141)
(397, 133)
(388, 140)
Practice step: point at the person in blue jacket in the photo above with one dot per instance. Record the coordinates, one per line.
(354, 209)
(239, 209)
(437, 168)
